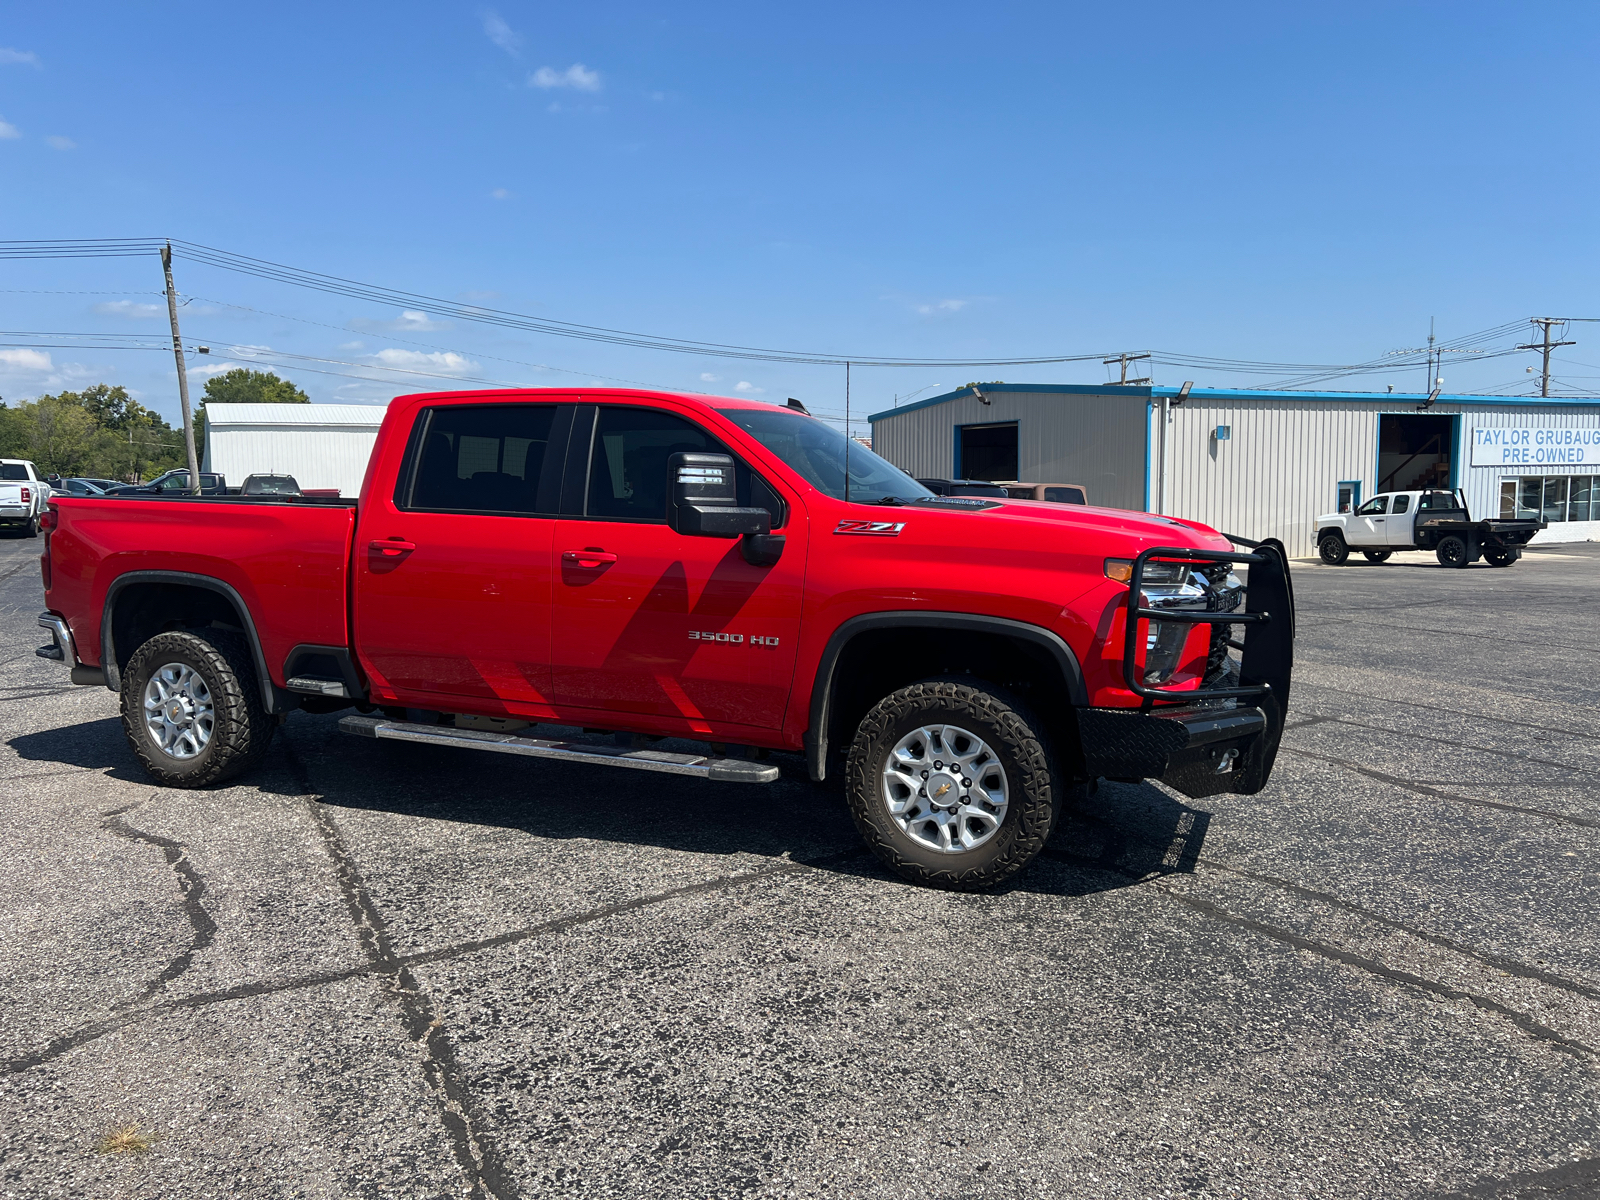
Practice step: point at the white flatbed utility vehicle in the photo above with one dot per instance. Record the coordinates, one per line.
(1423, 520)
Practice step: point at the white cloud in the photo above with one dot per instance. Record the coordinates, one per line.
(410, 320)
(10, 57)
(655, 97)
(744, 385)
(26, 360)
(943, 306)
(443, 362)
(499, 194)
(352, 345)
(708, 377)
(57, 142)
(128, 308)
(500, 33)
(577, 76)
(8, 130)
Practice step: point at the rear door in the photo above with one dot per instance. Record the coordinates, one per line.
(452, 585)
(653, 622)
(1400, 519)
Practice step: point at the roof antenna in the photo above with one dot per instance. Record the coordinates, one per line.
(797, 406)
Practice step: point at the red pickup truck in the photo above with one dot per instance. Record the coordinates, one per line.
(673, 568)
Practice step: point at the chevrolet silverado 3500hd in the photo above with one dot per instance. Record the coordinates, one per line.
(689, 567)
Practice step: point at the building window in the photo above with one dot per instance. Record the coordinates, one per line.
(1551, 497)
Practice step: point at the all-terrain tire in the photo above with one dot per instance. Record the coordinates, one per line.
(1376, 556)
(1006, 725)
(241, 728)
(1451, 551)
(1333, 550)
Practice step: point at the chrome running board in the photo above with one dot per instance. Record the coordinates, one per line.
(700, 766)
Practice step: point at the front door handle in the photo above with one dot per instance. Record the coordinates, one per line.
(392, 546)
(587, 558)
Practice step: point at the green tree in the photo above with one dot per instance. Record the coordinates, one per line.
(100, 431)
(244, 386)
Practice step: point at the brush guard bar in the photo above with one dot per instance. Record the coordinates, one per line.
(1265, 666)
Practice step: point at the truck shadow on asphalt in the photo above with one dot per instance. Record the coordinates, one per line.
(1123, 834)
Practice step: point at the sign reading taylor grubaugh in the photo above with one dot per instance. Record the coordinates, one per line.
(1535, 447)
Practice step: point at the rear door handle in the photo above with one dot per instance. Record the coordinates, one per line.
(587, 558)
(392, 546)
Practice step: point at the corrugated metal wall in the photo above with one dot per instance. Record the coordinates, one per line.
(1281, 467)
(318, 456)
(1278, 471)
(1095, 440)
(1482, 484)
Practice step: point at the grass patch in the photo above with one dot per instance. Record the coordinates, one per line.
(125, 1139)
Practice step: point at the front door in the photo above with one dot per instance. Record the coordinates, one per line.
(452, 587)
(653, 622)
(1369, 526)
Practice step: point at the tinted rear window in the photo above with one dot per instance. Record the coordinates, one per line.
(12, 472)
(486, 458)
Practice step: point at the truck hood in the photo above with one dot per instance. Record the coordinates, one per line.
(1150, 528)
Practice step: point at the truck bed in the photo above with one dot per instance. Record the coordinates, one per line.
(288, 561)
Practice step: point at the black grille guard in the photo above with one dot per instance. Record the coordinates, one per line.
(1267, 658)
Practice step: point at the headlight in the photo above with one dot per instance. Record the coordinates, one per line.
(1121, 570)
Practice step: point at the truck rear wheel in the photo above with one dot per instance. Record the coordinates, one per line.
(1332, 550)
(191, 708)
(1451, 551)
(1376, 556)
(1499, 556)
(951, 785)
(31, 529)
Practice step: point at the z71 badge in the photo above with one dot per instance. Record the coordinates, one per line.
(879, 528)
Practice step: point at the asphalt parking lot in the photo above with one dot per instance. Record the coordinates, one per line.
(396, 971)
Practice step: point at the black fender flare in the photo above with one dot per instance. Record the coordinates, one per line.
(108, 650)
(816, 737)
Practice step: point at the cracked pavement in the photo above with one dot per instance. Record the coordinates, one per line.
(382, 970)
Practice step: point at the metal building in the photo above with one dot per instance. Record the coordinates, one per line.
(321, 445)
(1261, 464)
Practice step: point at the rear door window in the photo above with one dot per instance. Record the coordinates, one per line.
(489, 458)
(1401, 504)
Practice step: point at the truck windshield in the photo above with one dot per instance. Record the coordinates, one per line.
(13, 472)
(816, 452)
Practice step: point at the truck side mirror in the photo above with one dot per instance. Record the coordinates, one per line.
(702, 501)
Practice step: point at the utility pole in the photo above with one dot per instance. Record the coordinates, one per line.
(1545, 347)
(183, 373)
(1124, 360)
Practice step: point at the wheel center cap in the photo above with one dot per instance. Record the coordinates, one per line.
(943, 790)
(176, 712)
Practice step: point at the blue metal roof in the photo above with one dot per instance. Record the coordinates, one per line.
(1156, 393)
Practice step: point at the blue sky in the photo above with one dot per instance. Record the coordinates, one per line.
(1286, 183)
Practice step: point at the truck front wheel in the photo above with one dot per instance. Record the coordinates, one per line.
(951, 785)
(1451, 552)
(1332, 550)
(191, 708)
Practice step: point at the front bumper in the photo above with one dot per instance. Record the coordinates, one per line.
(1215, 739)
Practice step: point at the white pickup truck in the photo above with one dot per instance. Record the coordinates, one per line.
(23, 495)
(1424, 520)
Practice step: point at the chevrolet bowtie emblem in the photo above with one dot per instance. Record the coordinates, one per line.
(941, 791)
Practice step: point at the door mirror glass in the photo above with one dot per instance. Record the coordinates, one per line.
(702, 498)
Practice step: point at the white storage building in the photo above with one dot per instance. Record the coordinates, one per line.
(321, 445)
(1261, 464)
